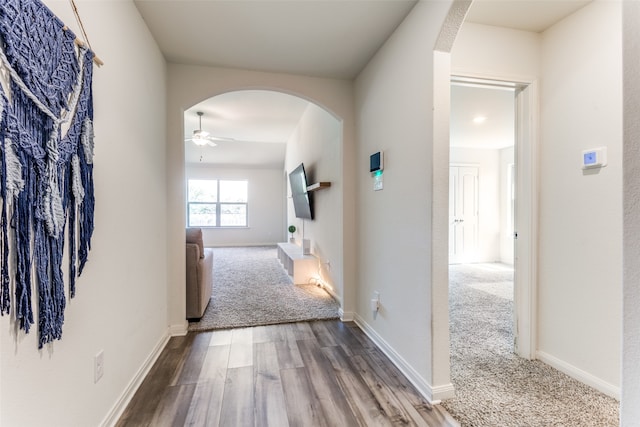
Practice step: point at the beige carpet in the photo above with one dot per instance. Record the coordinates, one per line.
(250, 288)
(494, 387)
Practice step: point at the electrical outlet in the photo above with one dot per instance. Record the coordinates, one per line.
(98, 366)
(375, 304)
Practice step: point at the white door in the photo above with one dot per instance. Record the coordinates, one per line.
(463, 214)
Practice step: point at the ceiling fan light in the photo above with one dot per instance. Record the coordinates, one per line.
(198, 140)
(199, 133)
(201, 137)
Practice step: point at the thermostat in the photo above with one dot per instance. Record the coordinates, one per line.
(594, 158)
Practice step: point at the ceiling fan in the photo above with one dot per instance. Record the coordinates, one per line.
(202, 137)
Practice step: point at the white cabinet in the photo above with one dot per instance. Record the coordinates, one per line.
(302, 268)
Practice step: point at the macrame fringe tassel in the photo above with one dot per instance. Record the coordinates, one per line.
(5, 299)
(5, 283)
(21, 222)
(47, 178)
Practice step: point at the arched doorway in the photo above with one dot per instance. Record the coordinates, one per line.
(242, 145)
(188, 98)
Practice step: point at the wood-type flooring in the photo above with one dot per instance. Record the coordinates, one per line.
(323, 373)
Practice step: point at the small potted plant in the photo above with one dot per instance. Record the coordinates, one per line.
(292, 229)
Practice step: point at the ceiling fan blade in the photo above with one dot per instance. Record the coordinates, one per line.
(220, 138)
(202, 137)
(210, 140)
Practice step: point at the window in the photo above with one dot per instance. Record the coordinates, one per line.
(217, 203)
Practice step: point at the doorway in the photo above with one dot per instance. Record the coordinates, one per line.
(492, 131)
(250, 137)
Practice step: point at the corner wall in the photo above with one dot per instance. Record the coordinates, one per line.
(630, 403)
(120, 305)
(394, 107)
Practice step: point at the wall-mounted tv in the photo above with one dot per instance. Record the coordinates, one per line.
(302, 200)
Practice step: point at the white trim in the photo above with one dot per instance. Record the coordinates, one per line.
(442, 392)
(179, 330)
(526, 222)
(580, 375)
(493, 77)
(434, 395)
(118, 408)
(464, 165)
(439, 345)
(527, 200)
(346, 316)
(328, 289)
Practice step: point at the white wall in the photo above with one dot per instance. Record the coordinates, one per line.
(317, 142)
(630, 404)
(265, 208)
(188, 85)
(394, 107)
(580, 252)
(120, 305)
(488, 163)
(492, 52)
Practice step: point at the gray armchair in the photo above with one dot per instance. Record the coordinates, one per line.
(199, 274)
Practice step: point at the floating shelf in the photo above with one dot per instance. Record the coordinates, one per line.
(318, 186)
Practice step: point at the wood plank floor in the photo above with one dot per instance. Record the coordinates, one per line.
(323, 373)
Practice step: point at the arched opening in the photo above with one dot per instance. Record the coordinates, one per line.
(248, 141)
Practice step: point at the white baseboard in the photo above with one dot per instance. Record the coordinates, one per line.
(179, 330)
(433, 395)
(118, 408)
(580, 375)
(346, 316)
(442, 392)
(330, 291)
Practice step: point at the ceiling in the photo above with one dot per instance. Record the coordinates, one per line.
(259, 122)
(324, 38)
(496, 108)
(526, 15)
(321, 38)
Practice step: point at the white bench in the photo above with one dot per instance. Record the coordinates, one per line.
(302, 268)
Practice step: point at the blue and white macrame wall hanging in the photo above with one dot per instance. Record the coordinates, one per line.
(46, 160)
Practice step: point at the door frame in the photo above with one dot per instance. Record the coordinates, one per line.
(526, 206)
(526, 221)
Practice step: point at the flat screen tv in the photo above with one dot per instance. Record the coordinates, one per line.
(302, 200)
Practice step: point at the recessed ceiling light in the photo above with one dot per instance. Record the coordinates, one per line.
(479, 119)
